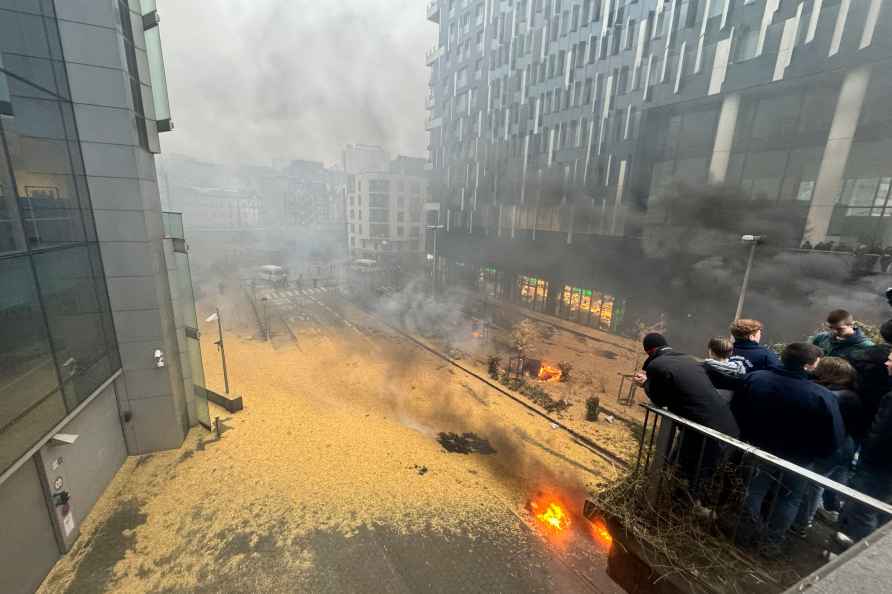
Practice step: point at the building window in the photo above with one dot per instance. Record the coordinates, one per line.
(79, 319)
(745, 45)
(32, 401)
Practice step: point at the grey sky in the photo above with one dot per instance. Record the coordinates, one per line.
(256, 80)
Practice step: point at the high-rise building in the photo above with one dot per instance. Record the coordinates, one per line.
(97, 360)
(568, 121)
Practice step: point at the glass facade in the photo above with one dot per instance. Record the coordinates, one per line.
(57, 343)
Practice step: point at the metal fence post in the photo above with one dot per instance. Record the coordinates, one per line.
(661, 455)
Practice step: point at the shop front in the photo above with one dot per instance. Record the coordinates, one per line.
(590, 308)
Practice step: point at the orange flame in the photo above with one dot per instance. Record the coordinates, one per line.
(547, 373)
(601, 534)
(554, 517)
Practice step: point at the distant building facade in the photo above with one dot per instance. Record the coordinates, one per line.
(359, 158)
(249, 211)
(386, 211)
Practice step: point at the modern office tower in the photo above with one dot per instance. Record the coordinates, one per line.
(561, 125)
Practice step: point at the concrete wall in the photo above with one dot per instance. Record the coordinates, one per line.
(34, 529)
(89, 464)
(28, 547)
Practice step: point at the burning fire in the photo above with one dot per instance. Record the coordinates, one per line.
(601, 534)
(554, 517)
(547, 373)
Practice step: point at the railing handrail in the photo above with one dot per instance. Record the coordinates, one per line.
(772, 459)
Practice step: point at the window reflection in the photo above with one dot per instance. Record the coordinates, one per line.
(27, 375)
(43, 162)
(78, 319)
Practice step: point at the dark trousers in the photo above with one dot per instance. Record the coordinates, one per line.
(769, 527)
(698, 459)
(858, 520)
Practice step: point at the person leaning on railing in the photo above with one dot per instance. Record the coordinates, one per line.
(725, 369)
(838, 376)
(678, 382)
(779, 410)
(873, 476)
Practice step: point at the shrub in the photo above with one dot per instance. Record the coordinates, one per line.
(592, 408)
(493, 366)
(565, 367)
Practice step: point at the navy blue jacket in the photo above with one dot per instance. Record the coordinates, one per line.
(782, 412)
(754, 355)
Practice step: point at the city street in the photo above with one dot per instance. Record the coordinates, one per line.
(336, 477)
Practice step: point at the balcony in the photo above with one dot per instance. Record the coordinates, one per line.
(433, 54)
(433, 11)
(433, 122)
(429, 101)
(715, 551)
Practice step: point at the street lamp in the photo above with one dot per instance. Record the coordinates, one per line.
(266, 315)
(216, 316)
(435, 229)
(753, 240)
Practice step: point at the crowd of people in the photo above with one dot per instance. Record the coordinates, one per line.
(824, 404)
(867, 258)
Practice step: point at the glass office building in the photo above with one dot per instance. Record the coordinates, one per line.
(98, 348)
(562, 125)
(58, 341)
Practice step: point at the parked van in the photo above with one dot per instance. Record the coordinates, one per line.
(272, 275)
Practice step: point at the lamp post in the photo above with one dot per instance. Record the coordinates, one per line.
(753, 240)
(219, 343)
(435, 229)
(266, 316)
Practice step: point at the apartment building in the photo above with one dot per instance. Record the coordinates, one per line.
(386, 212)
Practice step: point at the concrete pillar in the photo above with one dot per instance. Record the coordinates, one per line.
(724, 138)
(836, 152)
(616, 222)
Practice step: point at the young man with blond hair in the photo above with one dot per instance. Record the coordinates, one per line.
(747, 334)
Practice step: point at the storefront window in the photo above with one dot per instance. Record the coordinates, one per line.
(588, 307)
(533, 292)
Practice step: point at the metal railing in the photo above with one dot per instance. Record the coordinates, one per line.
(758, 505)
(664, 423)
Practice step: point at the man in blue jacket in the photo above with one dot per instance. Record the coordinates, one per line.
(747, 334)
(780, 411)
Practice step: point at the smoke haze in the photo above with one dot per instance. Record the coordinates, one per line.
(256, 80)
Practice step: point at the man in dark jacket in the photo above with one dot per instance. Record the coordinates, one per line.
(842, 339)
(779, 410)
(747, 334)
(873, 379)
(873, 476)
(679, 383)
